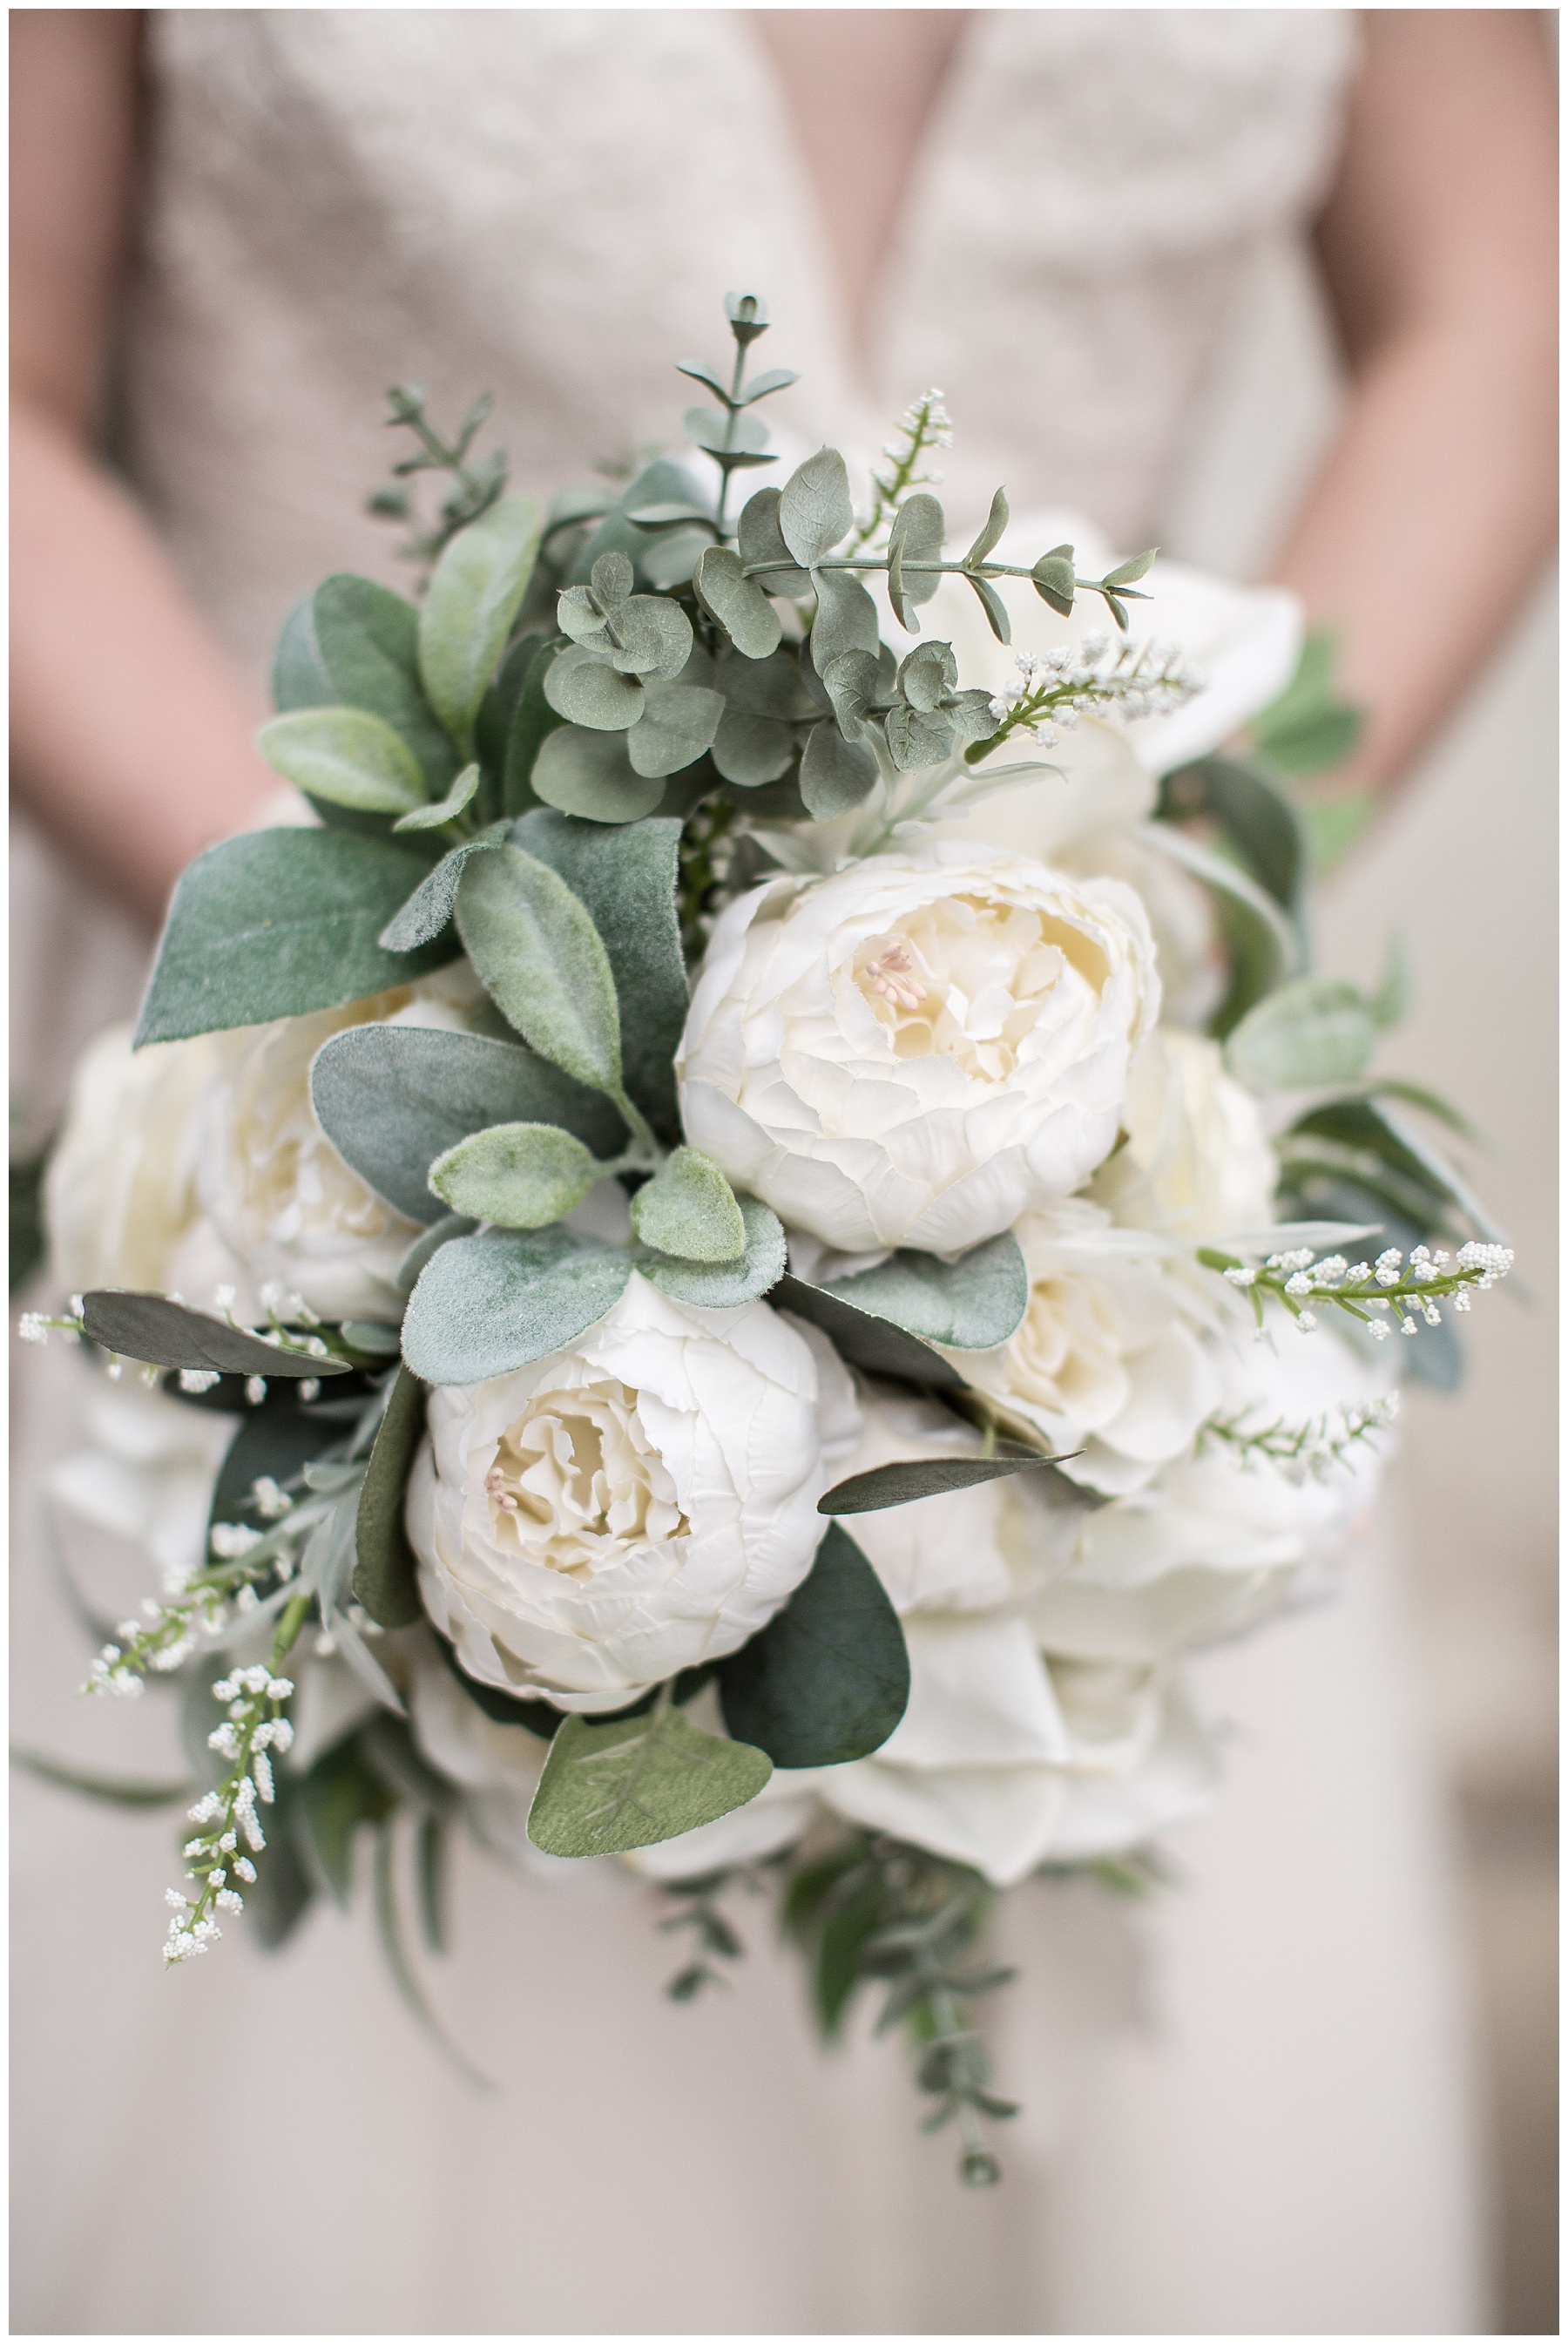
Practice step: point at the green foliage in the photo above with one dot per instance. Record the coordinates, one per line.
(355, 644)
(815, 511)
(865, 1338)
(688, 1208)
(759, 539)
(735, 602)
(475, 486)
(341, 1792)
(169, 1335)
(1255, 818)
(423, 918)
(917, 537)
(114, 1789)
(606, 1788)
(923, 1477)
(828, 1679)
(275, 923)
(385, 1577)
(836, 774)
(1314, 1031)
(723, 1285)
(394, 1098)
(457, 801)
(764, 701)
(29, 1235)
(520, 1176)
(275, 1441)
(486, 1305)
(1309, 728)
(538, 956)
(590, 774)
(473, 599)
(678, 724)
(971, 1305)
(344, 756)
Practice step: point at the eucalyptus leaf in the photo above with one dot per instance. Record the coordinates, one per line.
(672, 556)
(655, 638)
(422, 918)
(996, 523)
(1312, 1031)
(679, 725)
(276, 922)
(994, 606)
(520, 1176)
(1127, 573)
(914, 740)
(852, 683)
(925, 677)
(688, 1208)
(737, 602)
(539, 956)
(1265, 947)
(346, 756)
(836, 774)
(725, 434)
(590, 775)
(828, 1679)
(862, 1338)
(355, 644)
(815, 510)
(116, 1790)
(751, 751)
(727, 1285)
(765, 385)
(761, 539)
(473, 599)
(1055, 578)
(170, 1335)
(846, 619)
(1256, 818)
(970, 1305)
(486, 1305)
(917, 536)
(609, 1788)
(923, 1477)
(385, 1574)
(457, 801)
(582, 686)
(394, 1098)
(625, 879)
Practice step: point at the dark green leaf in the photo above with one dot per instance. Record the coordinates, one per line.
(828, 1679)
(1257, 819)
(169, 1335)
(486, 1305)
(866, 1340)
(386, 1575)
(276, 922)
(340, 1791)
(532, 721)
(838, 1972)
(609, 1788)
(924, 1476)
(431, 1853)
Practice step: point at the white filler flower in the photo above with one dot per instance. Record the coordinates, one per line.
(920, 1049)
(645, 1501)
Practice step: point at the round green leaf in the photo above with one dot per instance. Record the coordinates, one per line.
(678, 723)
(815, 508)
(582, 686)
(655, 638)
(737, 602)
(638, 1781)
(520, 1176)
(688, 1208)
(1302, 1036)
(761, 539)
(347, 756)
(590, 775)
(836, 774)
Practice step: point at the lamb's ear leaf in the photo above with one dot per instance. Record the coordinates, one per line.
(538, 956)
(1303, 1036)
(170, 1335)
(422, 918)
(625, 878)
(519, 1175)
(276, 922)
(688, 1210)
(532, 721)
(724, 1285)
(828, 1679)
(386, 1576)
(815, 508)
(393, 1098)
(457, 801)
(347, 757)
(640, 1780)
(475, 592)
(486, 1305)
(355, 644)
(439, 1233)
(921, 1477)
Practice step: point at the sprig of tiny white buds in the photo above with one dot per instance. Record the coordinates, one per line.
(1052, 688)
(1309, 1451)
(254, 1724)
(924, 424)
(1374, 1292)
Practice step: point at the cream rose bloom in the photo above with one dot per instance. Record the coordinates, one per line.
(1119, 1354)
(1197, 1161)
(645, 1501)
(193, 1165)
(921, 1048)
(1218, 1540)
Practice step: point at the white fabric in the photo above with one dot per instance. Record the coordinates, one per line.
(547, 203)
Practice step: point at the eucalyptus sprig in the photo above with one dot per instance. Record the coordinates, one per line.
(475, 487)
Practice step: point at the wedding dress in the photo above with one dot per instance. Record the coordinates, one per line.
(1245, 2103)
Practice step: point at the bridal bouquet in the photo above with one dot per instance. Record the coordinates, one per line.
(748, 1224)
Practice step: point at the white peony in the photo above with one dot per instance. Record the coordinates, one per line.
(1197, 1160)
(131, 1505)
(193, 1165)
(922, 1047)
(645, 1501)
(968, 1551)
(1117, 1355)
(1220, 1538)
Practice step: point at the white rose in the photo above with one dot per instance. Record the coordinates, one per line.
(1222, 1537)
(193, 1165)
(1000, 1765)
(920, 1049)
(1197, 1160)
(645, 1501)
(1118, 1354)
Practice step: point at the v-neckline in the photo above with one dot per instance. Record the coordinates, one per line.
(858, 353)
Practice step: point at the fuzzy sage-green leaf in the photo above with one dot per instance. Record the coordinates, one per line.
(455, 802)
(538, 956)
(520, 1176)
(690, 1209)
(346, 756)
(475, 592)
(486, 1305)
(609, 1788)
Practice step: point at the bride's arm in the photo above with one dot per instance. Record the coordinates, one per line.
(1437, 502)
(131, 734)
